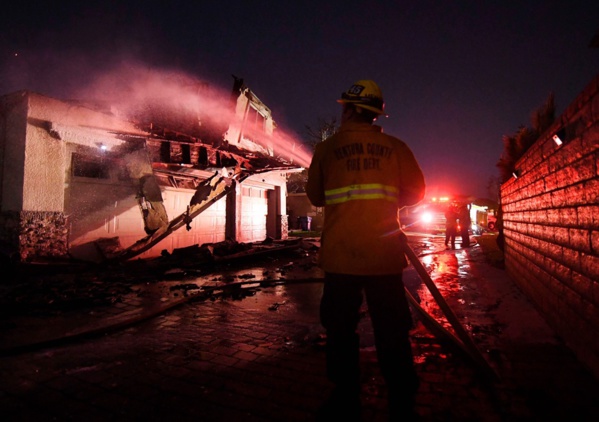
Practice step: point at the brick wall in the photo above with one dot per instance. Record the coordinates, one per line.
(551, 226)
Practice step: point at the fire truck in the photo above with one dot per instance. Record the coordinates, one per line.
(429, 216)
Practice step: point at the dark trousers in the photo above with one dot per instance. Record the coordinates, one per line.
(391, 321)
(465, 235)
(450, 234)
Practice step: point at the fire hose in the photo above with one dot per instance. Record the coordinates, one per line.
(461, 338)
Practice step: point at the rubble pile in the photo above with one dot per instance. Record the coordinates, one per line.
(51, 289)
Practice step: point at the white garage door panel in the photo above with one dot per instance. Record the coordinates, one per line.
(123, 219)
(254, 207)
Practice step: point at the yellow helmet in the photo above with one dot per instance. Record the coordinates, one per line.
(365, 94)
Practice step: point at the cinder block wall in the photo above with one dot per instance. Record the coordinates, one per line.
(551, 226)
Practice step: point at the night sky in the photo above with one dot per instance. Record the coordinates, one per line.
(456, 75)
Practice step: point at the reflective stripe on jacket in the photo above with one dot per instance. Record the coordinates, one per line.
(360, 192)
(363, 177)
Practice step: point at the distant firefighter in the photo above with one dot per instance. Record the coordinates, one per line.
(465, 222)
(451, 224)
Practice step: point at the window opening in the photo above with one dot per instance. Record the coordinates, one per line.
(89, 166)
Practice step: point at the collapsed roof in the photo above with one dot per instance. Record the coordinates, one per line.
(183, 138)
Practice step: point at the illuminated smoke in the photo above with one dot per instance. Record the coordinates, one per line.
(289, 146)
(133, 90)
(177, 101)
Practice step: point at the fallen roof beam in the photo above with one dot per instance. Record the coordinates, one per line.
(206, 194)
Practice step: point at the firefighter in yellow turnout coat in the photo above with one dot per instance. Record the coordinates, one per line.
(362, 177)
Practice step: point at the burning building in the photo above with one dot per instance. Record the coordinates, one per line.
(89, 182)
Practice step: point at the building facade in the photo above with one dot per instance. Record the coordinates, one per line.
(79, 183)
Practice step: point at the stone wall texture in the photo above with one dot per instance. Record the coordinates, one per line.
(35, 234)
(283, 227)
(551, 226)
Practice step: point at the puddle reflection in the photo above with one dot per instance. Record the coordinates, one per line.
(449, 270)
(294, 284)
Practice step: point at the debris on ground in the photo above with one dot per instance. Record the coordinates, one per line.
(275, 306)
(53, 287)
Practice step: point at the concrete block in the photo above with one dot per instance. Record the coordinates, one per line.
(580, 239)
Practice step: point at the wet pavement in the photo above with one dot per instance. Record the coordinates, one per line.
(244, 344)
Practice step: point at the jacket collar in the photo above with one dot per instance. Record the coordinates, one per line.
(359, 126)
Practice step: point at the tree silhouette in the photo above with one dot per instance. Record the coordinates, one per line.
(324, 129)
(296, 182)
(514, 146)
